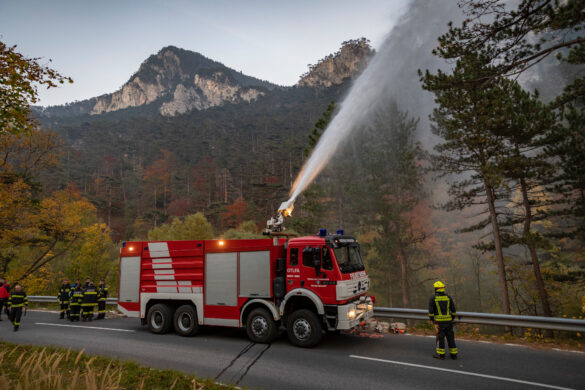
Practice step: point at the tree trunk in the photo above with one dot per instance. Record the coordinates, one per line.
(389, 286)
(404, 275)
(404, 279)
(499, 251)
(533, 255)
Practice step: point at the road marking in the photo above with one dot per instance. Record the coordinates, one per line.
(462, 372)
(567, 350)
(85, 327)
(45, 311)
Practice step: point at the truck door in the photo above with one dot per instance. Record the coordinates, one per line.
(293, 272)
(321, 278)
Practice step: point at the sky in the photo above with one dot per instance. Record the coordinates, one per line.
(100, 44)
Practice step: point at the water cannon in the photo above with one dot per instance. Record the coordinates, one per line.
(275, 223)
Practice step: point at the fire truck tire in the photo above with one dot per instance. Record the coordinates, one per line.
(261, 327)
(185, 321)
(304, 328)
(159, 318)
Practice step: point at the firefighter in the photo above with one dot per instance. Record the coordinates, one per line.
(73, 286)
(4, 295)
(64, 299)
(102, 297)
(76, 300)
(17, 301)
(86, 284)
(89, 300)
(441, 313)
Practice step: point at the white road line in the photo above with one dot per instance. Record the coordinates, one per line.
(462, 372)
(85, 327)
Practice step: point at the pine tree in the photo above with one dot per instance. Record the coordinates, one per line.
(388, 186)
(468, 120)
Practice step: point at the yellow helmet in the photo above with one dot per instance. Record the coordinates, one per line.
(438, 285)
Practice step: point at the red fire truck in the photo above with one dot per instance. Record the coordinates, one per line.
(306, 284)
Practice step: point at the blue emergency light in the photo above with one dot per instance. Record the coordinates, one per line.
(340, 232)
(322, 232)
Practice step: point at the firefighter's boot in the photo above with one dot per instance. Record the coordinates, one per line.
(439, 356)
(61, 316)
(16, 328)
(454, 357)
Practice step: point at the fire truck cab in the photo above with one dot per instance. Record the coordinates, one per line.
(308, 285)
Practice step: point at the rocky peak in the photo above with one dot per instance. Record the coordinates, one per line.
(182, 80)
(173, 81)
(336, 68)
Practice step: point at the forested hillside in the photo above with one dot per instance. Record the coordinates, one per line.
(139, 167)
(139, 171)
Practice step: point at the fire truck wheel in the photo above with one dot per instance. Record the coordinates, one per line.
(186, 323)
(260, 326)
(304, 329)
(159, 318)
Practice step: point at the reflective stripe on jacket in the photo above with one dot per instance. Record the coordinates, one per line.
(441, 308)
(102, 293)
(18, 299)
(64, 293)
(77, 297)
(90, 297)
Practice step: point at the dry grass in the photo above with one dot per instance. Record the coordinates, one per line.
(35, 368)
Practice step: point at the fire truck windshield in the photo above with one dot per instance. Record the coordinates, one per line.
(348, 258)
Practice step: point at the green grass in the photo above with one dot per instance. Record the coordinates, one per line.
(525, 336)
(27, 367)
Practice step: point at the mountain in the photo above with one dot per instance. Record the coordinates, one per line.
(336, 68)
(188, 134)
(175, 81)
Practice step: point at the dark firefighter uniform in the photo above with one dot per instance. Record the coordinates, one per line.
(441, 312)
(76, 300)
(64, 295)
(17, 301)
(89, 300)
(102, 297)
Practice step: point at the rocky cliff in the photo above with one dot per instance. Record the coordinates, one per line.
(175, 81)
(336, 68)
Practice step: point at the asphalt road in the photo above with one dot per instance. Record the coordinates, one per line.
(339, 362)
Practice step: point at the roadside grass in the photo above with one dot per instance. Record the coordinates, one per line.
(25, 367)
(524, 336)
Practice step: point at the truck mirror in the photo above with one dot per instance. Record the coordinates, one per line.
(317, 260)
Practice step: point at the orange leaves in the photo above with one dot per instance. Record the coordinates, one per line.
(234, 214)
(161, 169)
(18, 79)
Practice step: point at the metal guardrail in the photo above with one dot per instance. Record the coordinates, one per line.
(41, 298)
(566, 324)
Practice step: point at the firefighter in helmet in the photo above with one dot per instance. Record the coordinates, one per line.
(102, 297)
(64, 295)
(89, 300)
(76, 300)
(17, 301)
(441, 313)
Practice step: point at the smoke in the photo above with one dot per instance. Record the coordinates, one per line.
(392, 73)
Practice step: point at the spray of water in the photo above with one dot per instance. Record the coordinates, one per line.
(392, 72)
